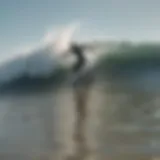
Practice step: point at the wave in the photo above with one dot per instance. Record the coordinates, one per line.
(132, 56)
(40, 62)
(43, 68)
(36, 69)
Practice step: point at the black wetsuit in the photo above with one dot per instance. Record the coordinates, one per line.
(84, 77)
(80, 58)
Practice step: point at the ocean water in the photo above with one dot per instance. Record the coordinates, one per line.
(37, 108)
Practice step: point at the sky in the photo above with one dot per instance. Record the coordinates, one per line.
(25, 23)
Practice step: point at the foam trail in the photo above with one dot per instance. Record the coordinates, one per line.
(63, 42)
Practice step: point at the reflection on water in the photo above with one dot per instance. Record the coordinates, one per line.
(121, 124)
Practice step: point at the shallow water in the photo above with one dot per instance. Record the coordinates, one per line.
(122, 123)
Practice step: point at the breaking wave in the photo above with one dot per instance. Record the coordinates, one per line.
(42, 67)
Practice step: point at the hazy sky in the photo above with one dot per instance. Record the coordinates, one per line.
(23, 23)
